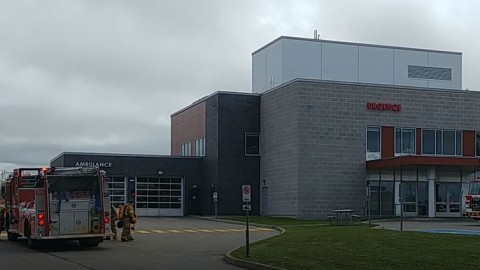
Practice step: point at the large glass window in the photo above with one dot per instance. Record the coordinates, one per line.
(428, 142)
(442, 142)
(404, 141)
(382, 199)
(200, 147)
(252, 144)
(458, 143)
(373, 139)
(449, 142)
(438, 142)
(186, 149)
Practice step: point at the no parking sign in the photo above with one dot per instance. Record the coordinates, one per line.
(246, 193)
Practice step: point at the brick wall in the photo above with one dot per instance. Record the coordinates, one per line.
(313, 138)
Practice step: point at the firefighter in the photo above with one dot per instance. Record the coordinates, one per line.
(113, 223)
(129, 218)
(2, 218)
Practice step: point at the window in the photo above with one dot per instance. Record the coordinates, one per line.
(186, 149)
(442, 142)
(252, 144)
(429, 73)
(373, 139)
(428, 142)
(382, 198)
(200, 147)
(449, 142)
(404, 141)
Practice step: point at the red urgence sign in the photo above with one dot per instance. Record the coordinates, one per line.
(384, 106)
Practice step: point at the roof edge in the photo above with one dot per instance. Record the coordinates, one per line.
(355, 43)
(211, 95)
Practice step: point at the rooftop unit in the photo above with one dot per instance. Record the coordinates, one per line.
(288, 58)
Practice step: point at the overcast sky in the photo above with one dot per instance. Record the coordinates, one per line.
(105, 76)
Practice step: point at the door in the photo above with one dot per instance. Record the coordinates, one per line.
(194, 201)
(447, 199)
(415, 198)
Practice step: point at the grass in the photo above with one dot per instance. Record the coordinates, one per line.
(316, 245)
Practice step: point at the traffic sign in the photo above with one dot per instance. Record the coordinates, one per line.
(215, 195)
(247, 207)
(246, 193)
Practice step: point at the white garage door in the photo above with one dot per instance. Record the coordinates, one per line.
(159, 196)
(116, 189)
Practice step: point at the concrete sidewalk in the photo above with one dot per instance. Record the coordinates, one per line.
(420, 224)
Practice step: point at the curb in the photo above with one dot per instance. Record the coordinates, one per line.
(248, 264)
(228, 258)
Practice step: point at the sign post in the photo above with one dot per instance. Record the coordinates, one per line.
(401, 205)
(215, 200)
(247, 198)
(369, 199)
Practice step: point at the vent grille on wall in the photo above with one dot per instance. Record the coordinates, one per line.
(431, 73)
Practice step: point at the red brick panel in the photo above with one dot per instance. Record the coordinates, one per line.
(388, 144)
(187, 126)
(418, 141)
(468, 143)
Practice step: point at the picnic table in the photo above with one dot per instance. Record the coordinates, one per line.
(341, 215)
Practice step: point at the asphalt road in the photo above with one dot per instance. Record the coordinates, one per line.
(160, 243)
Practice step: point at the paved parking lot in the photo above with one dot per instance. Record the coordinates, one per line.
(160, 243)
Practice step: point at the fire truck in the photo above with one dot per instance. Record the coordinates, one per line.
(472, 200)
(57, 203)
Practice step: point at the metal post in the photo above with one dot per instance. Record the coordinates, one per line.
(369, 199)
(368, 205)
(247, 237)
(402, 194)
(216, 214)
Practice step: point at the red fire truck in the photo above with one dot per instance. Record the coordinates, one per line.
(57, 203)
(472, 200)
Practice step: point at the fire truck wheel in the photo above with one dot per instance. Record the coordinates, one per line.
(32, 243)
(90, 242)
(12, 236)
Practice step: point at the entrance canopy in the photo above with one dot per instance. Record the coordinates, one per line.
(469, 163)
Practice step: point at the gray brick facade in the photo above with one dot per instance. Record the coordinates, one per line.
(314, 133)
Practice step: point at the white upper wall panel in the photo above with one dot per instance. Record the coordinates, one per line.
(404, 58)
(288, 58)
(375, 65)
(259, 71)
(340, 62)
(442, 60)
(304, 59)
(275, 65)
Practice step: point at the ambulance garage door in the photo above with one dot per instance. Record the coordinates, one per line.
(159, 196)
(116, 189)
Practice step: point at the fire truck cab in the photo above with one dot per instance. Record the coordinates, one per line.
(472, 200)
(56, 203)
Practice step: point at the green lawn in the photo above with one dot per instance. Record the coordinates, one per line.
(316, 245)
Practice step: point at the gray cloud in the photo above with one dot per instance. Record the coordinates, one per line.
(104, 76)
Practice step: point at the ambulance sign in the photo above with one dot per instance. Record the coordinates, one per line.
(246, 193)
